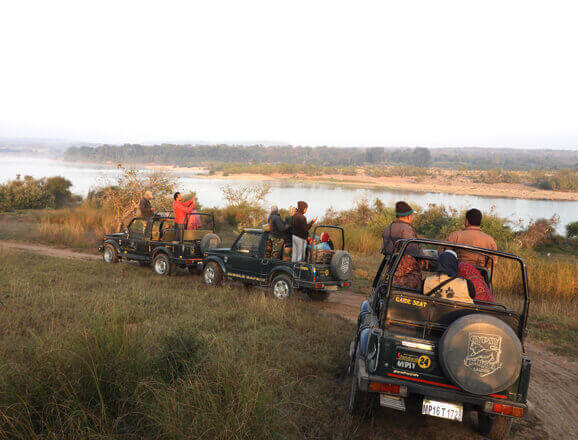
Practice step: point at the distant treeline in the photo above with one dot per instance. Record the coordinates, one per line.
(196, 155)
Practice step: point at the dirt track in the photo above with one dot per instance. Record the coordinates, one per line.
(553, 387)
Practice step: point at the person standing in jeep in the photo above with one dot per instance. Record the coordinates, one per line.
(472, 235)
(300, 232)
(401, 228)
(181, 209)
(145, 208)
(277, 228)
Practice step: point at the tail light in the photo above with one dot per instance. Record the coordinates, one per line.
(388, 388)
(506, 410)
(345, 284)
(319, 286)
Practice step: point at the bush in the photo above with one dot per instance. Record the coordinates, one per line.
(245, 205)
(30, 193)
(572, 230)
(562, 180)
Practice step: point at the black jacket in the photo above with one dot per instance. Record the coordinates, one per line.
(277, 226)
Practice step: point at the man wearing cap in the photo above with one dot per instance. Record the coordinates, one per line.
(401, 228)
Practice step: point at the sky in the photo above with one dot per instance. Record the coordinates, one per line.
(380, 73)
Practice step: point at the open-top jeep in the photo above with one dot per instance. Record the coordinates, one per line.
(156, 240)
(251, 261)
(439, 355)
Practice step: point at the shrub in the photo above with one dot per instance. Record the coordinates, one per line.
(30, 193)
(245, 204)
(572, 230)
(539, 233)
(562, 180)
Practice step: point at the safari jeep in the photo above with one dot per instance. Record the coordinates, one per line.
(251, 261)
(155, 241)
(438, 355)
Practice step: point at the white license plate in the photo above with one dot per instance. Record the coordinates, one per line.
(445, 410)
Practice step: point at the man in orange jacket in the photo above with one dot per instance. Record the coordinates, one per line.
(181, 209)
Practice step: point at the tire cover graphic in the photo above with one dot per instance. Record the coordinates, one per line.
(210, 241)
(481, 354)
(341, 265)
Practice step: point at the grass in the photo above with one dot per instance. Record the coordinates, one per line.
(89, 350)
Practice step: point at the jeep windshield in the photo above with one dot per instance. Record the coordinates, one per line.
(417, 298)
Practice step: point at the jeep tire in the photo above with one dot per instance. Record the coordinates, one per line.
(359, 401)
(341, 265)
(493, 427)
(281, 287)
(212, 274)
(109, 254)
(317, 295)
(162, 265)
(210, 241)
(481, 354)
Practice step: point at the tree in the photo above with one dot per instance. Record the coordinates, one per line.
(59, 188)
(421, 157)
(123, 197)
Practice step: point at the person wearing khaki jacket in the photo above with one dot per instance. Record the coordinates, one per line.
(401, 228)
(472, 235)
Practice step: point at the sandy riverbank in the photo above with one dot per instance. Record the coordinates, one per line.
(446, 181)
(455, 185)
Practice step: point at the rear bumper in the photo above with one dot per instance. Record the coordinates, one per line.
(325, 286)
(441, 391)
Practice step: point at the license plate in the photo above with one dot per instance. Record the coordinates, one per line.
(444, 410)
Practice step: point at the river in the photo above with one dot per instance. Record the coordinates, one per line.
(319, 196)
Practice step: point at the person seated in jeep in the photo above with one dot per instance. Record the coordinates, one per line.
(408, 274)
(446, 283)
(482, 290)
(324, 243)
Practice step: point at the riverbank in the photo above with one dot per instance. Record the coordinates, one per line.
(446, 183)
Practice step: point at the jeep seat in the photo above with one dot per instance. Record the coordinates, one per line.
(193, 234)
(168, 235)
(322, 256)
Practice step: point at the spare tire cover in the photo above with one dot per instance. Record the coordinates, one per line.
(341, 265)
(210, 241)
(481, 354)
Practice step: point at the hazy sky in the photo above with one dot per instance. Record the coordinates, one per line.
(432, 73)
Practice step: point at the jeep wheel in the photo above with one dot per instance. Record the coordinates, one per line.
(494, 427)
(281, 287)
(212, 274)
(162, 265)
(359, 402)
(109, 254)
(210, 241)
(317, 295)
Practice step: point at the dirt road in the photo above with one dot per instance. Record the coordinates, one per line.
(553, 388)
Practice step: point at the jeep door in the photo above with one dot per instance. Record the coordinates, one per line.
(135, 240)
(246, 261)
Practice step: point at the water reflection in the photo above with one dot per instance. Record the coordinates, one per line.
(319, 196)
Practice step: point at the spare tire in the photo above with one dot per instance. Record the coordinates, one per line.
(341, 265)
(210, 241)
(481, 354)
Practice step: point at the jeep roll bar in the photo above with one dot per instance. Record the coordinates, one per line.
(406, 242)
(315, 235)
